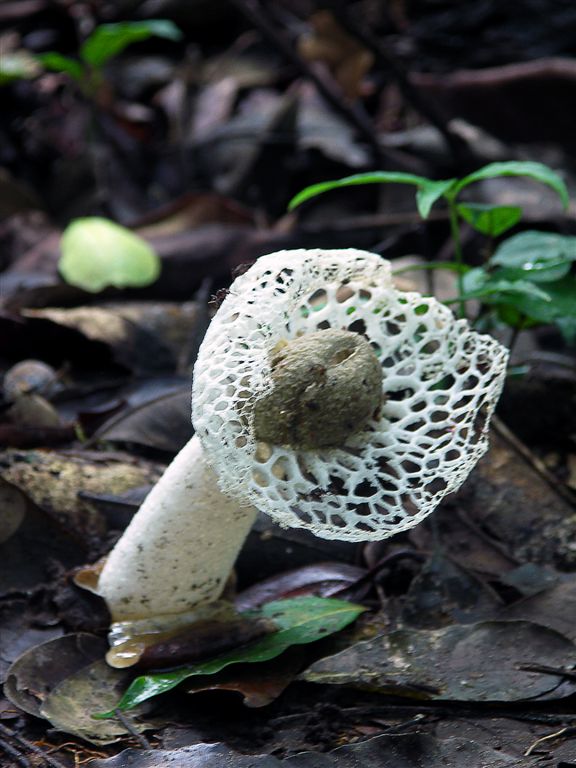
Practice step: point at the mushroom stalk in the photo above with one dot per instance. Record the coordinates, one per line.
(180, 547)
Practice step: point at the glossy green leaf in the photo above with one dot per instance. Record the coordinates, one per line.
(299, 620)
(537, 171)
(97, 253)
(540, 256)
(56, 62)
(491, 220)
(108, 40)
(494, 289)
(559, 310)
(428, 190)
(561, 304)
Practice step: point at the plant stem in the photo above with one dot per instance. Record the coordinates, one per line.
(458, 256)
(516, 331)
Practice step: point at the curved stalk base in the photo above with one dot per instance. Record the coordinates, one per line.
(180, 547)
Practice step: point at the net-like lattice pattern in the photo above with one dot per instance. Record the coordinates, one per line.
(441, 384)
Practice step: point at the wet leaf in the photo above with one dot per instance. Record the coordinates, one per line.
(539, 255)
(41, 668)
(530, 579)
(162, 423)
(445, 593)
(54, 481)
(204, 640)
(258, 684)
(32, 540)
(69, 706)
(64, 680)
(475, 662)
(517, 507)
(20, 630)
(145, 337)
(300, 621)
(321, 579)
(402, 751)
(554, 608)
(97, 253)
(13, 504)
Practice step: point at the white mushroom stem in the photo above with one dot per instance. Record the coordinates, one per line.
(180, 547)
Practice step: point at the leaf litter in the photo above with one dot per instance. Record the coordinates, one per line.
(268, 134)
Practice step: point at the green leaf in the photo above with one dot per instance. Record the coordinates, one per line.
(428, 190)
(540, 256)
(493, 289)
(17, 65)
(300, 620)
(97, 253)
(108, 40)
(560, 307)
(491, 220)
(451, 266)
(56, 62)
(537, 171)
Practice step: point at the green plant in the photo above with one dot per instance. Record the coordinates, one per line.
(527, 279)
(105, 42)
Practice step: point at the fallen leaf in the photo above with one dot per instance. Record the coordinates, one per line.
(144, 336)
(41, 668)
(32, 540)
(64, 680)
(474, 662)
(258, 684)
(163, 423)
(402, 751)
(20, 630)
(320, 579)
(444, 592)
(54, 480)
(554, 608)
(300, 621)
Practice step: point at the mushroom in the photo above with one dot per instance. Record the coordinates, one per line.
(323, 396)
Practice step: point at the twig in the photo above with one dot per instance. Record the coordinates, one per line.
(140, 738)
(15, 754)
(485, 537)
(29, 747)
(562, 732)
(420, 103)
(543, 669)
(259, 17)
(525, 453)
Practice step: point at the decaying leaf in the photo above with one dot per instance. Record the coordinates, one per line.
(162, 423)
(65, 680)
(31, 539)
(41, 668)
(476, 662)
(299, 621)
(53, 480)
(403, 751)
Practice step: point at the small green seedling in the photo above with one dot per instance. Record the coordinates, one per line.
(97, 253)
(86, 70)
(527, 279)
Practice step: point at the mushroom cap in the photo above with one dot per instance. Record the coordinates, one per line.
(440, 387)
